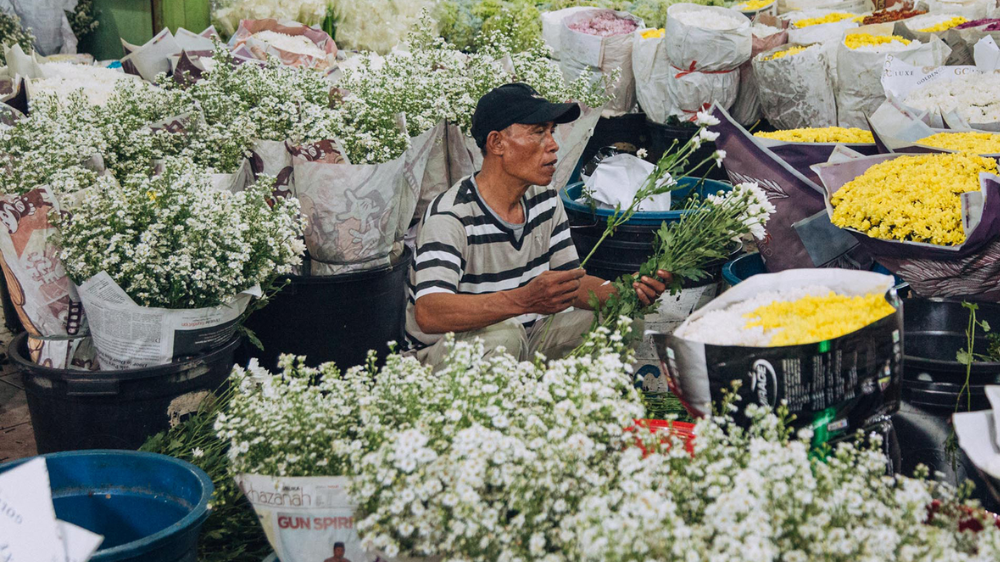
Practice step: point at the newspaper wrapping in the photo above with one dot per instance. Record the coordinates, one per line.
(580, 52)
(304, 517)
(796, 91)
(129, 336)
(244, 37)
(967, 270)
(46, 300)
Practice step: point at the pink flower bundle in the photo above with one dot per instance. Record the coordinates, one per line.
(604, 24)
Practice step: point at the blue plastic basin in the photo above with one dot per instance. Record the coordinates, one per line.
(149, 507)
(685, 185)
(748, 265)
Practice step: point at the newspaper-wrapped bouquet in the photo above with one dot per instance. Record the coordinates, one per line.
(166, 265)
(932, 219)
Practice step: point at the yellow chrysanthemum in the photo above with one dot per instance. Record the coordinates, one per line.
(855, 40)
(814, 319)
(973, 143)
(851, 135)
(945, 25)
(829, 18)
(754, 5)
(652, 33)
(786, 53)
(912, 198)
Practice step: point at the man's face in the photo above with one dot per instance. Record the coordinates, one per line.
(338, 551)
(530, 152)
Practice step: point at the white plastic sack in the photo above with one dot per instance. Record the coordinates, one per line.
(129, 336)
(746, 110)
(860, 92)
(304, 517)
(651, 68)
(552, 27)
(48, 23)
(796, 91)
(617, 179)
(692, 48)
(579, 52)
(691, 92)
(821, 33)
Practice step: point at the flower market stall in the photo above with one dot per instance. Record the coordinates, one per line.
(208, 243)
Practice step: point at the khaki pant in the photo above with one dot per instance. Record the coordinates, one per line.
(565, 334)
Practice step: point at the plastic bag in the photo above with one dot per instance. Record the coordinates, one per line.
(580, 52)
(860, 92)
(796, 91)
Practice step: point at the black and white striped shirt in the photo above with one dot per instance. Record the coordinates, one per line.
(462, 248)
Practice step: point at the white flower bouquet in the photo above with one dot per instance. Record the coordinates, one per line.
(293, 43)
(174, 254)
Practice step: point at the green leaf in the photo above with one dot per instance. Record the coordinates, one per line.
(964, 357)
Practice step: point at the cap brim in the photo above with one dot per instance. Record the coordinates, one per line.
(554, 112)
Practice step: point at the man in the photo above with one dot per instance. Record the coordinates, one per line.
(338, 553)
(494, 258)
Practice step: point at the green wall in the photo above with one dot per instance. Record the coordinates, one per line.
(134, 21)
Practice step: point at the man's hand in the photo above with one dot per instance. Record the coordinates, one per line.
(649, 289)
(550, 292)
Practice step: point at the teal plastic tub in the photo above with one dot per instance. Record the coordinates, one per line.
(148, 507)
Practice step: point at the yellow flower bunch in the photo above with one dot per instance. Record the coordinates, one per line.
(973, 143)
(652, 33)
(786, 53)
(829, 18)
(814, 319)
(912, 198)
(851, 135)
(948, 24)
(754, 5)
(855, 40)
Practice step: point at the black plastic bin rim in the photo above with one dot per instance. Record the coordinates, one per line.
(25, 364)
(354, 276)
(990, 366)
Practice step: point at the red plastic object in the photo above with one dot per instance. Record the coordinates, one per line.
(680, 429)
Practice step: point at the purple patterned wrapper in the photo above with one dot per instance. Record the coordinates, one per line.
(799, 234)
(834, 176)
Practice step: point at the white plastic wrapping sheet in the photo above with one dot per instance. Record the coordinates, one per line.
(616, 180)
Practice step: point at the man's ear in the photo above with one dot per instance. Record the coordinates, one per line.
(495, 143)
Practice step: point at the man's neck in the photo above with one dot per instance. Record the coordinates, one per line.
(501, 191)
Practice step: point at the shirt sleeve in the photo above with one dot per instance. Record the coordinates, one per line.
(562, 252)
(439, 261)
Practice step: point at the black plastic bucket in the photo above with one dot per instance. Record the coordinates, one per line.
(11, 320)
(333, 318)
(932, 380)
(73, 409)
(663, 137)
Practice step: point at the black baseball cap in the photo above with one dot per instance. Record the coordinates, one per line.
(516, 103)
